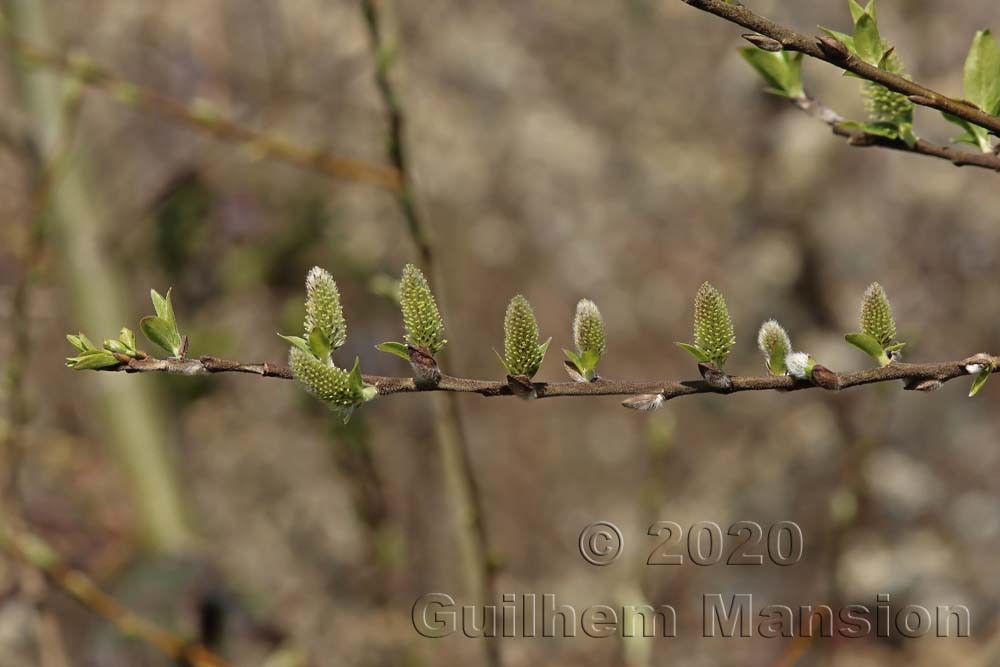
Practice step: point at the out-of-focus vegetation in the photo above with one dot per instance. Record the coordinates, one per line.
(619, 152)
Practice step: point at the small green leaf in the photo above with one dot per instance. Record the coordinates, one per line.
(356, 382)
(117, 347)
(319, 344)
(867, 39)
(781, 70)
(297, 341)
(127, 337)
(399, 349)
(502, 362)
(974, 135)
(857, 11)
(869, 346)
(92, 361)
(160, 333)
(164, 309)
(980, 380)
(78, 342)
(590, 360)
(575, 359)
(542, 349)
(982, 73)
(694, 351)
(887, 130)
(895, 348)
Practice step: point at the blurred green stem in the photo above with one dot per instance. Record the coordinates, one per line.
(462, 486)
(133, 430)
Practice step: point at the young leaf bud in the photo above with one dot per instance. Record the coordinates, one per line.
(588, 338)
(800, 365)
(773, 341)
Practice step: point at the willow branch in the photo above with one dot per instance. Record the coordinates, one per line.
(831, 51)
(924, 377)
(199, 118)
(78, 585)
(859, 138)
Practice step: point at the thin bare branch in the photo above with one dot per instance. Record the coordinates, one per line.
(861, 139)
(77, 584)
(916, 376)
(202, 119)
(831, 51)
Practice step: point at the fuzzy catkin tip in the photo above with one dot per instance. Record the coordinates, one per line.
(799, 365)
(421, 317)
(773, 341)
(323, 309)
(588, 328)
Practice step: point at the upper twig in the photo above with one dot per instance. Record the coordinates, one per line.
(860, 138)
(831, 51)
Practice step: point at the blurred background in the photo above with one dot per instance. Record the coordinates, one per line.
(618, 151)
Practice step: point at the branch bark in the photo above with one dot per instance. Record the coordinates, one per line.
(78, 585)
(924, 377)
(831, 51)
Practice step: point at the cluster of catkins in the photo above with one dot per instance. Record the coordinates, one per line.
(523, 351)
(325, 330)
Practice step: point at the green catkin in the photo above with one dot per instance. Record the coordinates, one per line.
(523, 355)
(323, 309)
(421, 317)
(588, 328)
(713, 330)
(876, 316)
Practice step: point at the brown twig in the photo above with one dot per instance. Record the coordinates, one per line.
(200, 118)
(917, 376)
(861, 139)
(830, 50)
(78, 585)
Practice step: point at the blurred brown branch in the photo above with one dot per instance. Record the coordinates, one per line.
(922, 377)
(198, 117)
(831, 51)
(77, 584)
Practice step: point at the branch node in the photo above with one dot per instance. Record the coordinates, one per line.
(522, 386)
(715, 376)
(763, 42)
(832, 48)
(824, 378)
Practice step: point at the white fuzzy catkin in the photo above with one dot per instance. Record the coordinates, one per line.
(799, 365)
